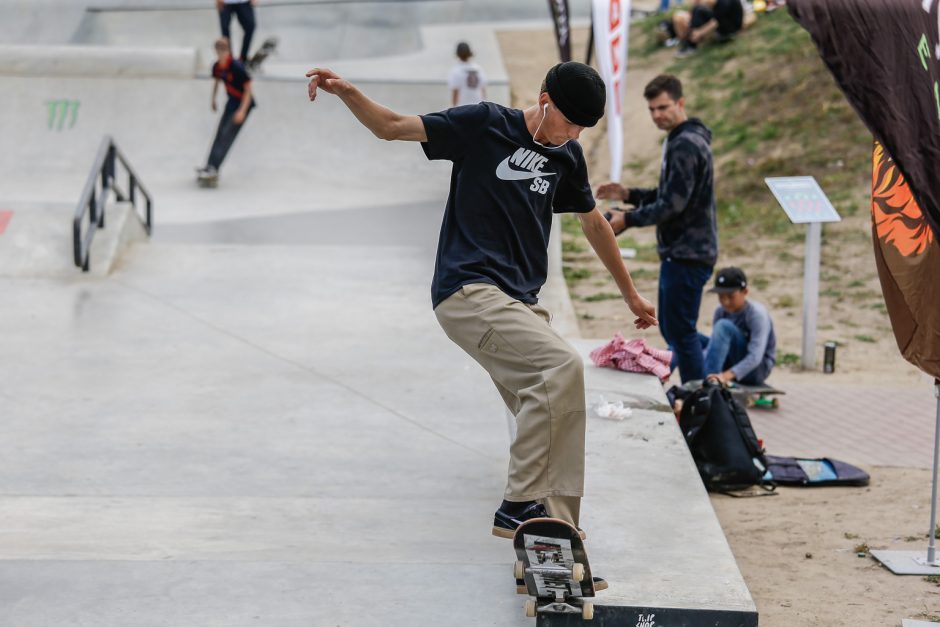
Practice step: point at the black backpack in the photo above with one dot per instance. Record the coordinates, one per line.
(722, 441)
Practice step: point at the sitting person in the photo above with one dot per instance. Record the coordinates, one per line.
(743, 346)
(707, 16)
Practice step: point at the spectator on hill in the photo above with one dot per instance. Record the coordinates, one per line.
(743, 346)
(683, 210)
(723, 17)
(467, 81)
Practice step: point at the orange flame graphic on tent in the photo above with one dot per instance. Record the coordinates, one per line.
(898, 219)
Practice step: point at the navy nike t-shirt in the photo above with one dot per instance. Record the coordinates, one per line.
(503, 190)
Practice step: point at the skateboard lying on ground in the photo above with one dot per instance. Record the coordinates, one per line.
(762, 396)
(267, 49)
(554, 565)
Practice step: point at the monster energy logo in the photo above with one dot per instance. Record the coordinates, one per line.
(60, 111)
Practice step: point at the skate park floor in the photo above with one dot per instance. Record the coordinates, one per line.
(254, 418)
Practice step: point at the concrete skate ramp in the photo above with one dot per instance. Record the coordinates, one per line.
(109, 61)
(291, 156)
(310, 31)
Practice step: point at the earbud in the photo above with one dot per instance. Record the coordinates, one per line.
(545, 108)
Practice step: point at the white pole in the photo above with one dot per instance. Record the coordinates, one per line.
(811, 292)
(931, 549)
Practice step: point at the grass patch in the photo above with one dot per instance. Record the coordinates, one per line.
(570, 225)
(774, 110)
(786, 301)
(594, 298)
(643, 273)
(572, 246)
(789, 359)
(573, 275)
(865, 338)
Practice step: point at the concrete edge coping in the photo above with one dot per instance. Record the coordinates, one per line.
(98, 61)
(431, 64)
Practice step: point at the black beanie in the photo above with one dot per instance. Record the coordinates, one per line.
(578, 91)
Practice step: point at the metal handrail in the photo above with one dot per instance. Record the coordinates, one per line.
(93, 200)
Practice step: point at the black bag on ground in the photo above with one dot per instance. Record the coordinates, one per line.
(722, 441)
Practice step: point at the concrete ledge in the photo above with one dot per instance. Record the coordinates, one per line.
(110, 61)
(554, 295)
(652, 532)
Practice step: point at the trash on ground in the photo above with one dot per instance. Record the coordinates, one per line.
(612, 411)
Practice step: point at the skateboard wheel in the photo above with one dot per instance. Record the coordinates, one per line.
(518, 570)
(775, 403)
(530, 608)
(587, 611)
(577, 572)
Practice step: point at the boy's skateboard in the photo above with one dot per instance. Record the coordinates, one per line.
(761, 396)
(207, 180)
(554, 565)
(267, 49)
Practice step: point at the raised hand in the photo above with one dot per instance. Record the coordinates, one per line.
(327, 80)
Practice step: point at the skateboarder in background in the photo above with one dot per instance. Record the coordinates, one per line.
(244, 11)
(683, 210)
(232, 74)
(512, 170)
(743, 346)
(467, 81)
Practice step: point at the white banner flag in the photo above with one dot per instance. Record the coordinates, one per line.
(611, 30)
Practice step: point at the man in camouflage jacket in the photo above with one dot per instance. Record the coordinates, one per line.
(683, 210)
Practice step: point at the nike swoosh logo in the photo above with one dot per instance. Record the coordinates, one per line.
(506, 173)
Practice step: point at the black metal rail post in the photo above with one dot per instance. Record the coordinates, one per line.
(92, 202)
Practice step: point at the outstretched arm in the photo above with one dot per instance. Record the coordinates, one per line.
(602, 240)
(382, 121)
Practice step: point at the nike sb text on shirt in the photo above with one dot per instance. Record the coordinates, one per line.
(532, 163)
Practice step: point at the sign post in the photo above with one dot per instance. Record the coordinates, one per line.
(805, 203)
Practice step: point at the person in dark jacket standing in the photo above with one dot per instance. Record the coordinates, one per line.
(683, 210)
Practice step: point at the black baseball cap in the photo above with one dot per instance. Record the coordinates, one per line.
(578, 91)
(729, 280)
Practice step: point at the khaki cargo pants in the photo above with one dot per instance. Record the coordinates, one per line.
(541, 380)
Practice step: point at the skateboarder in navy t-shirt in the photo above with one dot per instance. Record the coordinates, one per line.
(512, 171)
(232, 74)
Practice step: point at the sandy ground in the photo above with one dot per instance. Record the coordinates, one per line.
(797, 550)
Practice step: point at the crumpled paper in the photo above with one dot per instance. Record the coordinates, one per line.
(612, 411)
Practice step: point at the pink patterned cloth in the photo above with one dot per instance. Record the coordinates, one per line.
(632, 356)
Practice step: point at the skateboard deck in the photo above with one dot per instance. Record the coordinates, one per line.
(553, 563)
(267, 49)
(763, 396)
